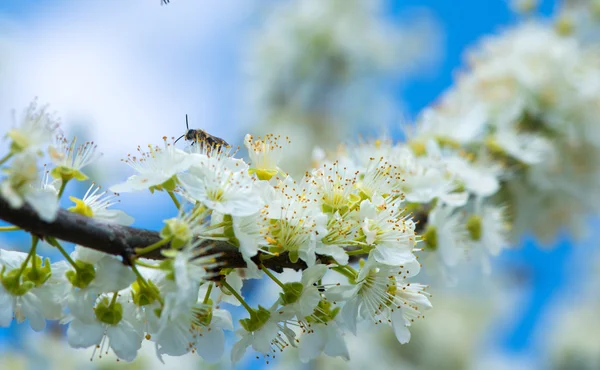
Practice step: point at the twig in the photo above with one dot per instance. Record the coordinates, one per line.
(120, 240)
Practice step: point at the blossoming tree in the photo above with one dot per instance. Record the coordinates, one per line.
(514, 143)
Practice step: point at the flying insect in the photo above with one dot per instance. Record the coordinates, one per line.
(201, 136)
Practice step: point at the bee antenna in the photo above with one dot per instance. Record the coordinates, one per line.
(178, 139)
(186, 123)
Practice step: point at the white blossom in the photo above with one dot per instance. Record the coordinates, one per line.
(35, 130)
(22, 186)
(222, 184)
(391, 236)
(154, 167)
(325, 339)
(113, 324)
(382, 295)
(95, 204)
(69, 160)
(36, 295)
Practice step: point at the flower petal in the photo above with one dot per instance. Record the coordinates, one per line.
(81, 335)
(211, 345)
(125, 341)
(400, 328)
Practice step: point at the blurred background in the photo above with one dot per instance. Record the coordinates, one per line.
(125, 73)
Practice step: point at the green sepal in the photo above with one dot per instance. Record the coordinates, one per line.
(144, 294)
(168, 185)
(12, 282)
(257, 319)
(291, 293)
(41, 274)
(83, 276)
(107, 313)
(67, 174)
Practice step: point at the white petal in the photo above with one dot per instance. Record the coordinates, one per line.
(340, 292)
(10, 195)
(211, 345)
(125, 341)
(263, 337)
(112, 275)
(338, 253)
(308, 301)
(455, 199)
(393, 256)
(80, 335)
(312, 274)
(44, 202)
(335, 345)
(31, 307)
(350, 314)
(140, 182)
(222, 319)
(51, 297)
(174, 336)
(400, 328)
(81, 303)
(311, 345)
(11, 259)
(239, 348)
(115, 216)
(411, 268)
(6, 308)
(87, 255)
(449, 252)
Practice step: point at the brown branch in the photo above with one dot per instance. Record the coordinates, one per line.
(119, 240)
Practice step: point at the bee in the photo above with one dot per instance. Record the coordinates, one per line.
(201, 136)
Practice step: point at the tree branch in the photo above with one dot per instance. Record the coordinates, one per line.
(121, 240)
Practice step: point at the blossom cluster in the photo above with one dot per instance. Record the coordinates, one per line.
(528, 102)
(316, 69)
(322, 223)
